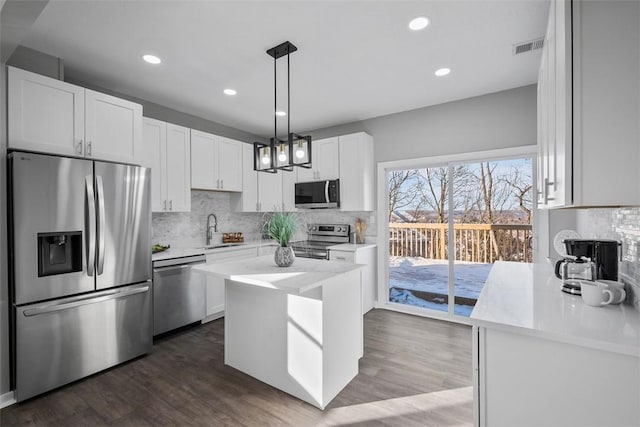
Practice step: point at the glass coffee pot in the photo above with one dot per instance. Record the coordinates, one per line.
(574, 269)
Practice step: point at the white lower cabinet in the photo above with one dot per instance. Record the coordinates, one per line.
(215, 289)
(360, 254)
(523, 380)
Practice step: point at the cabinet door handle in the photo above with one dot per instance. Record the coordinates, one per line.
(222, 183)
(170, 205)
(341, 258)
(79, 147)
(88, 148)
(217, 183)
(164, 205)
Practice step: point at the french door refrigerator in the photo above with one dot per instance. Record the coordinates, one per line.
(79, 270)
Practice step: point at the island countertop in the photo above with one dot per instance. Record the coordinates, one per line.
(305, 273)
(526, 298)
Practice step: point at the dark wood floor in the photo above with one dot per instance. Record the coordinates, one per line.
(415, 371)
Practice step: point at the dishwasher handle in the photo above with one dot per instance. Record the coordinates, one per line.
(176, 267)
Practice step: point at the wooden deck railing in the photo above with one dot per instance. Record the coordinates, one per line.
(473, 242)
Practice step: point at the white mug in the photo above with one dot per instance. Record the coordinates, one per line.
(619, 294)
(596, 294)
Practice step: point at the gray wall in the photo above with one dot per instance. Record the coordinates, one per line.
(497, 120)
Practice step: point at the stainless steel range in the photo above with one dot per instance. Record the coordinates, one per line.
(319, 238)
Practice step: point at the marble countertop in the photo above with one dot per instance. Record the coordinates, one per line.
(526, 298)
(351, 247)
(172, 253)
(305, 273)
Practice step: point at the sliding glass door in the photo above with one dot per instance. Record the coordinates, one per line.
(448, 224)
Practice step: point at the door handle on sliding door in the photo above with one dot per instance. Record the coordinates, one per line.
(89, 224)
(101, 224)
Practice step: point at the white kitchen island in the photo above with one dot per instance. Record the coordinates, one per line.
(544, 358)
(298, 329)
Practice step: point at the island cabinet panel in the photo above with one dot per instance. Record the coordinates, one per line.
(529, 381)
(298, 330)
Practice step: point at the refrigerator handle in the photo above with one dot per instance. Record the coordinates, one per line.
(89, 224)
(84, 300)
(101, 224)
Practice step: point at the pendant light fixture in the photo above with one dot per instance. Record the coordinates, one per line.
(295, 150)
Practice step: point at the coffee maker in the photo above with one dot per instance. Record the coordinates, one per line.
(588, 259)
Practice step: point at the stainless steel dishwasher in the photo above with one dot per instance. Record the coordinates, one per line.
(178, 293)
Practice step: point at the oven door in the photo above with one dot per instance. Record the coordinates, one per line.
(317, 194)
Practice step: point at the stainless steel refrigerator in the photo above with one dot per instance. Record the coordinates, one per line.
(79, 270)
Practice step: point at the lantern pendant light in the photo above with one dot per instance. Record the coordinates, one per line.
(295, 150)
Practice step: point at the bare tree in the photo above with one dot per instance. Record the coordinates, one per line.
(401, 189)
(494, 193)
(519, 180)
(434, 190)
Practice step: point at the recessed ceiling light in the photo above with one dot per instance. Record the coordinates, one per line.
(419, 23)
(442, 72)
(280, 113)
(230, 92)
(151, 59)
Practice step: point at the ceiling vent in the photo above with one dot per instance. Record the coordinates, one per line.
(528, 46)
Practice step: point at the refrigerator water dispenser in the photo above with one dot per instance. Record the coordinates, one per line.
(59, 253)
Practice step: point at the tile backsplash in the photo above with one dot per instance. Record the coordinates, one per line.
(188, 229)
(621, 224)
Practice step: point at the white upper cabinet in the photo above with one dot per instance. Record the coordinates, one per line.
(155, 157)
(588, 133)
(270, 191)
(204, 168)
(178, 169)
(247, 200)
(356, 172)
(166, 151)
(288, 190)
(113, 128)
(216, 162)
(45, 114)
(230, 164)
(51, 116)
(324, 161)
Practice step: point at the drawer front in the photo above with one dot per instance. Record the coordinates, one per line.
(231, 254)
(342, 256)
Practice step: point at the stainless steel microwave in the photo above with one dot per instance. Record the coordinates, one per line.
(318, 194)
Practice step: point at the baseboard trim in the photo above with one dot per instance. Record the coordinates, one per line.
(7, 399)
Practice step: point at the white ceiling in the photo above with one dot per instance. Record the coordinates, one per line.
(356, 59)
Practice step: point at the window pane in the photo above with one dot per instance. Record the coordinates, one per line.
(492, 221)
(418, 252)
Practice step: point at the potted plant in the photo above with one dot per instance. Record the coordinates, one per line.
(281, 228)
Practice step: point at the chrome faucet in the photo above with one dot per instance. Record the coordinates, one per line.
(209, 227)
